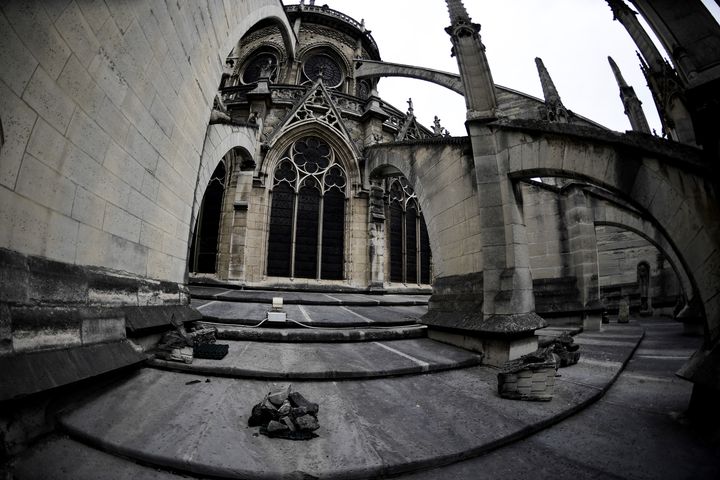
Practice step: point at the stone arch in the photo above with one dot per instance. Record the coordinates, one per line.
(219, 140)
(670, 188)
(271, 12)
(608, 213)
(263, 47)
(442, 174)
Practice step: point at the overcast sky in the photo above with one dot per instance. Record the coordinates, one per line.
(573, 37)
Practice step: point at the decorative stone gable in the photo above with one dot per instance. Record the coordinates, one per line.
(316, 106)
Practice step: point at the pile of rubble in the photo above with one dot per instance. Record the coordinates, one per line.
(286, 414)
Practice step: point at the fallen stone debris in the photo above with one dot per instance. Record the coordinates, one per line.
(565, 350)
(286, 414)
(179, 345)
(532, 376)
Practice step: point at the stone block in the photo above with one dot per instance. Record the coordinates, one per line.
(17, 124)
(102, 325)
(45, 186)
(39, 328)
(88, 208)
(88, 136)
(121, 223)
(77, 33)
(17, 61)
(47, 145)
(61, 237)
(30, 21)
(49, 100)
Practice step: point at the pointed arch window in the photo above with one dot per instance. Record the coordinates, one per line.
(409, 244)
(307, 214)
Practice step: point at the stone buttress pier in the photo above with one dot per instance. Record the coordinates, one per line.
(502, 324)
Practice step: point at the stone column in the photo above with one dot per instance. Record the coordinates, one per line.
(583, 259)
(376, 226)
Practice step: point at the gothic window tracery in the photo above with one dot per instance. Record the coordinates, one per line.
(307, 214)
(409, 244)
(323, 67)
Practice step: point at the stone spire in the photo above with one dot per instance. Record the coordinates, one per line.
(458, 12)
(632, 104)
(472, 63)
(629, 20)
(662, 78)
(555, 111)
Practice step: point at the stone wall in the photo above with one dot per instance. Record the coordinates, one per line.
(105, 109)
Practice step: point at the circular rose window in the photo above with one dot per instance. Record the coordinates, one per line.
(323, 67)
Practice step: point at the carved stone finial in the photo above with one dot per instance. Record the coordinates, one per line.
(410, 106)
(555, 110)
(437, 128)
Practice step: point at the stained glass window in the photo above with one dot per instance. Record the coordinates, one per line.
(308, 224)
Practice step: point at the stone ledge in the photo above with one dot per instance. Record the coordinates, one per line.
(139, 319)
(474, 323)
(38, 371)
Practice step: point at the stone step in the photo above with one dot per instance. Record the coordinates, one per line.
(325, 361)
(249, 314)
(316, 335)
(305, 298)
(368, 428)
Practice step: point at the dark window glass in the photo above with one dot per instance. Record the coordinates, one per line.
(425, 255)
(396, 241)
(333, 234)
(411, 244)
(280, 236)
(306, 233)
(204, 245)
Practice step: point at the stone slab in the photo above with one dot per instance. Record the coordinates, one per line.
(243, 313)
(68, 459)
(38, 371)
(304, 298)
(317, 335)
(369, 428)
(247, 359)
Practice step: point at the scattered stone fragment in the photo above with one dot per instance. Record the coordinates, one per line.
(307, 422)
(301, 402)
(564, 349)
(285, 408)
(290, 425)
(275, 427)
(277, 398)
(192, 382)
